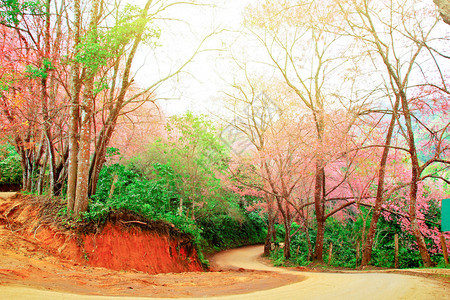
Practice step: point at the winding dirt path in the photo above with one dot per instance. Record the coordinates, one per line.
(352, 285)
(314, 286)
(26, 274)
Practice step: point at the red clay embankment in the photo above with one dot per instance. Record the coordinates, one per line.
(125, 242)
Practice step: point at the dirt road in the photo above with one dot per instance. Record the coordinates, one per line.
(315, 286)
(6, 195)
(367, 285)
(28, 273)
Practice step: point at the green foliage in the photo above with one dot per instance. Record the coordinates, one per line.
(130, 24)
(33, 72)
(5, 84)
(133, 192)
(277, 257)
(91, 54)
(345, 234)
(344, 237)
(192, 160)
(441, 264)
(216, 226)
(111, 151)
(98, 46)
(155, 190)
(178, 180)
(10, 167)
(99, 86)
(223, 230)
(12, 11)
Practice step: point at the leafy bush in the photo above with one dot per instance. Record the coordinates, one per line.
(178, 180)
(222, 231)
(218, 224)
(10, 168)
(277, 257)
(345, 235)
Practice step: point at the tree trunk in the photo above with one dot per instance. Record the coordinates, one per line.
(41, 180)
(367, 248)
(74, 117)
(51, 161)
(61, 171)
(310, 247)
(415, 228)
(81, 197)
(45, 101)
(285, 212)
(28, 170)
(84, 151)
(415, 177)
(268, 241)
(270, 226)
(319, 186)
(444, 248)
(287, 236)
(320, 212)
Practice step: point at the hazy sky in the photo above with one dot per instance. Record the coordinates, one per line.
(200, 86)
(178, 40)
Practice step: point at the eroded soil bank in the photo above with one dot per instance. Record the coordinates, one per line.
(125, 242)
(37, 255)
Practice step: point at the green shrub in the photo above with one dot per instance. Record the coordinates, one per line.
(218, 224)
(10, 167)
(222, 231)
(345, 236)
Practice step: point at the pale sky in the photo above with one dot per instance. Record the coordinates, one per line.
(210, 71)
(193, 92)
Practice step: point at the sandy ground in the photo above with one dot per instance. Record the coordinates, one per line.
(28, 272)
(351, 285)
(7, 195)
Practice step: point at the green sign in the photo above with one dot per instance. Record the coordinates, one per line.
(445, 215)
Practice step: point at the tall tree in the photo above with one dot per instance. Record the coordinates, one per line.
(91, 65)
(31, 22)
(307, 57)
(74, 111)
(253, 112)
(396, 36)
(193, 150)
(111, 57)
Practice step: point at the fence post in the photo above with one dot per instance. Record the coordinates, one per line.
(444, 248)
(330, 253)
(396, 250)
(357, 253)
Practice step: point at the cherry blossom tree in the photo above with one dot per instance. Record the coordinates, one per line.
(396, 35)
(310, 60)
